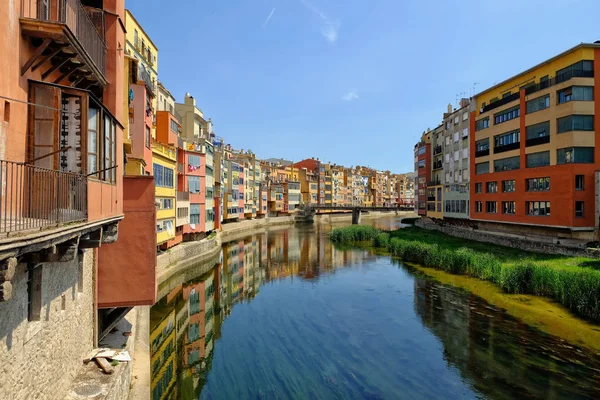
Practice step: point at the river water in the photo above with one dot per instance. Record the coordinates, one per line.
(285, 314)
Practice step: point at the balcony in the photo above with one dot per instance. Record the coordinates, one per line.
(144, 75)
(558, 79)
(164, 150)
(434, 183)
(34, 198)
(507, 147)
(482, 153)
(500, 102)
(537, 141)
(63, 33)
(437, 150)
(183, 196)
(437, 165)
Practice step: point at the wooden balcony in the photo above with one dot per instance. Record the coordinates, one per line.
(69, 38)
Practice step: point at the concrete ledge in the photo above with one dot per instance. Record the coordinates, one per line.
(522, 242)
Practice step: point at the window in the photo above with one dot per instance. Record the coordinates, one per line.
(465, 116)
(193, 184)
(507, 164)
(576, 155)
(135, 38)
(174, 126)
(182, 212)
(209, 171)
(478, 187)
(93, 131)
(508, 207)
(193, 161)
(163, 176)
(507, 115)
(478, 206)
(209, 193)
(537, 184)
(482, 145)
(584, 68)
(575, 123)
(34, 292)
(575, 93)
(165, 203)
(456, 137)
(538, 130)
(579, 181)
(482, 168)
(579, 209)
(456, 120)
(210, 215)
(541, 159)
(538, 208)
(194, 213)
(165, 226)
(482, 124)
(421, 163)
(508, 186)
(538, 104)
(507, 139)
(422, 150)
(148, 135)
(491, 187)
(490, 207)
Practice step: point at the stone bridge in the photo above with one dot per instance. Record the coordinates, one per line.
(310, 209)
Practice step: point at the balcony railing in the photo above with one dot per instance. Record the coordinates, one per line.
(167, 151)
(437, 165)
(500, 102)
(33, 198)
(538, 140)
(506, 147)
(482, 153)
(437, 150)
(565, 76)
(145, 76)
(434, 183)
(183, 196)
(72, 14)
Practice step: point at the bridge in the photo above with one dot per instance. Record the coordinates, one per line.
(310, 209)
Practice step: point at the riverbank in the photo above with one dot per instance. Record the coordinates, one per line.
(572, 281)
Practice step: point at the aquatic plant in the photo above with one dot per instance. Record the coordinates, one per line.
(576, 287)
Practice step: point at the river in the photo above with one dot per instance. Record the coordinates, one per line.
(285, 314)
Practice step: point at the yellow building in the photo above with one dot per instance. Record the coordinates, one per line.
(164, 166)
(139, 46)
(162, 355)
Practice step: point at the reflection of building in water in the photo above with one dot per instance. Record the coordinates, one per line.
(478, 338)
(162, 353)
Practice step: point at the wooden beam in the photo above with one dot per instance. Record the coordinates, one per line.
(38, 52)
(110, 234)
(46, 58)
(66, 74)
(78, 81)
(54, 68)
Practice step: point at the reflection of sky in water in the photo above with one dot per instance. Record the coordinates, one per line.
(281, 318)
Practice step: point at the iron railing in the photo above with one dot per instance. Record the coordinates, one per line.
(72, 14)
(33, 198)
(500, 102)
(145, 76)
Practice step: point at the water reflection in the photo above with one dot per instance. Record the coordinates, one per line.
(371, 331)
(186, 323)
(502, 357)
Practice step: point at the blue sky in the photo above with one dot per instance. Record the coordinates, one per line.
(348, 81)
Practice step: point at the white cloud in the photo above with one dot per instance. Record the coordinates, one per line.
(269, 17)
(330, 28)
(351, 96)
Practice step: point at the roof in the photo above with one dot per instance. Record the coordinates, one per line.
(548, 61)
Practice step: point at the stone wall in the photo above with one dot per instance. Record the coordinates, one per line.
(514, 241)
(39, 359)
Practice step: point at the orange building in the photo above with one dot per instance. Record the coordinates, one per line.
(533, 154)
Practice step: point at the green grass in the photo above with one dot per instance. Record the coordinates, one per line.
(572, 281)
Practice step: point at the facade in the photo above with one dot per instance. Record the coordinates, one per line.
(422, 172)
(455, 150)
(435, 187)
(533, 151)
(62, 136)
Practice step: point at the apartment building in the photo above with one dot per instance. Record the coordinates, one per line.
(423, 165)
(455, 157)
(533, 151)
(64, 200)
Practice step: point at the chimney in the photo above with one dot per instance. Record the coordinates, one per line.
(449, 108)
